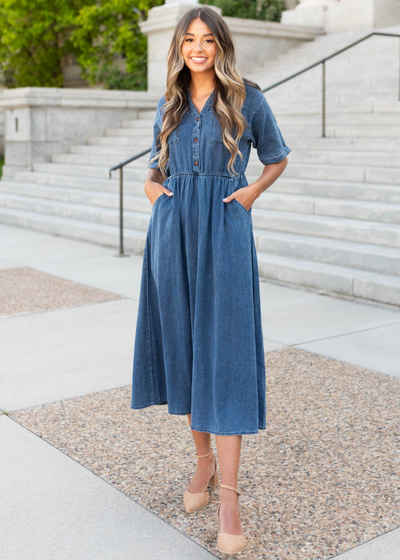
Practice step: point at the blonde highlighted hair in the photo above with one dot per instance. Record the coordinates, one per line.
(230, 91)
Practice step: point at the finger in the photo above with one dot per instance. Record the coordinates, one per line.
(167, 192)
(228, 198)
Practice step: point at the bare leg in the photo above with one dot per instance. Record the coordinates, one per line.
(205, 465)
(228, 457)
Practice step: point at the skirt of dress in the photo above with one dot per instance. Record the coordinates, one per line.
(199, 342)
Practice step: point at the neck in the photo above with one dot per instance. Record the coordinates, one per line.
(201, 86)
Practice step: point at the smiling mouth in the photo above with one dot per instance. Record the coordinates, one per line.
(198, 59)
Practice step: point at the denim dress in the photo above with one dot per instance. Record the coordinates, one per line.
(199, 342)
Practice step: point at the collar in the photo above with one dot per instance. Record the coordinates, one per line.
(206, 107)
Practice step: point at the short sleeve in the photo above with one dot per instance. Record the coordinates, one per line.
(155, 148)
(266, 136)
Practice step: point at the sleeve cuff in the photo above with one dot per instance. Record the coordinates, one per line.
(275, 158)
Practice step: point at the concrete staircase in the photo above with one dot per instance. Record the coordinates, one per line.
(331, 223)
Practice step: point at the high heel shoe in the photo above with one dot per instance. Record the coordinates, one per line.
(229, 543)
(194, 501)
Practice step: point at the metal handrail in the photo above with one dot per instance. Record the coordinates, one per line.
(322, 61)
(121, 165)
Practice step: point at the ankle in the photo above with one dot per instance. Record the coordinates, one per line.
(205, 460)
(228, 497)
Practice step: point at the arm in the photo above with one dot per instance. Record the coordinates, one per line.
(154, 185)
(269, 175)
(247, 195)
(155, 179)
(272, 152)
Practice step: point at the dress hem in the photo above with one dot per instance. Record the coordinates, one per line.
(241, 433)
(163, 402)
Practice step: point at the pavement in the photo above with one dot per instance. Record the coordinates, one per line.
(67, 322)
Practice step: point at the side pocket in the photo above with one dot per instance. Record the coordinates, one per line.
(248, 212)
(157, 199)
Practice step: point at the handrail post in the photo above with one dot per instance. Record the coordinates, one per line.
(399, 69)
(121, 215)
(323, 99)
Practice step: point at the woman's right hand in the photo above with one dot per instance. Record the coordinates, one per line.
(154, 190)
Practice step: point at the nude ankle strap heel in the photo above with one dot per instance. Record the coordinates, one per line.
(229, 543)
(193, 501)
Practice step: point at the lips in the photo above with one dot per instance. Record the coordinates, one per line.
(198, 59)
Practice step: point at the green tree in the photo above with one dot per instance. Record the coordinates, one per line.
(267, 10)
(36, 35)
(107, 31)
(34, 38)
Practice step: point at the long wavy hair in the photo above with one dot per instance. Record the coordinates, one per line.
(230, 91)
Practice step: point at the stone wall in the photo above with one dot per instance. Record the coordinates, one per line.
(42, 121)
(336, 16)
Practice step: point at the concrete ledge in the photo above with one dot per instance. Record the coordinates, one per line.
(40, 122)
(81, 98)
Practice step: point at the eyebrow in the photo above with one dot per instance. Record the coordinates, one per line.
(205, 34)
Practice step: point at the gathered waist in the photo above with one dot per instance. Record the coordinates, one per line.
(198, 174)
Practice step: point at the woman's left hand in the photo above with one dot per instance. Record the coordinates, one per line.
(246, 196)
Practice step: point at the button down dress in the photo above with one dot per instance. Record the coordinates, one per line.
(199, 342)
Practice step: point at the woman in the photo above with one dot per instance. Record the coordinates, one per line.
(199, 342)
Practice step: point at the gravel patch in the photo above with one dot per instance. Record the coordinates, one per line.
(26, 290)
(323, 478)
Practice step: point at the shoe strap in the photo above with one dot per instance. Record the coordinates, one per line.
(206, 455)
(229, 487)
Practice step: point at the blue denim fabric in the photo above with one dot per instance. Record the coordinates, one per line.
(199, 341)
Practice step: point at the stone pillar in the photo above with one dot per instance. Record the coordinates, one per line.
(315, 3)
(187, 2)
(344, 15)
(309, 12)
(309, 3)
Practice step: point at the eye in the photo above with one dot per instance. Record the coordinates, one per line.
(206, 40)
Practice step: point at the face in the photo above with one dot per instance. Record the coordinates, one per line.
(199, 47)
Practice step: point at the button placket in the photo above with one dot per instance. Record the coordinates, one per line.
(196, 130)
(196, 144)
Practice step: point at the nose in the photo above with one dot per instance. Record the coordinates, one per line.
(197, 48)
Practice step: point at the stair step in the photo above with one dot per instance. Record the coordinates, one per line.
(348, 119)
(343, 172)
(128, 132)
(337, 157)
(342, 144)
(330, 279)
(134, 203)
(78, 182)
(85, 213)
(73, 229)
(117, 152)
(337, 189)
(117, 141)
(343, 208)
(359, 231)
(93, 171)
(93, 159)
(363, 256)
